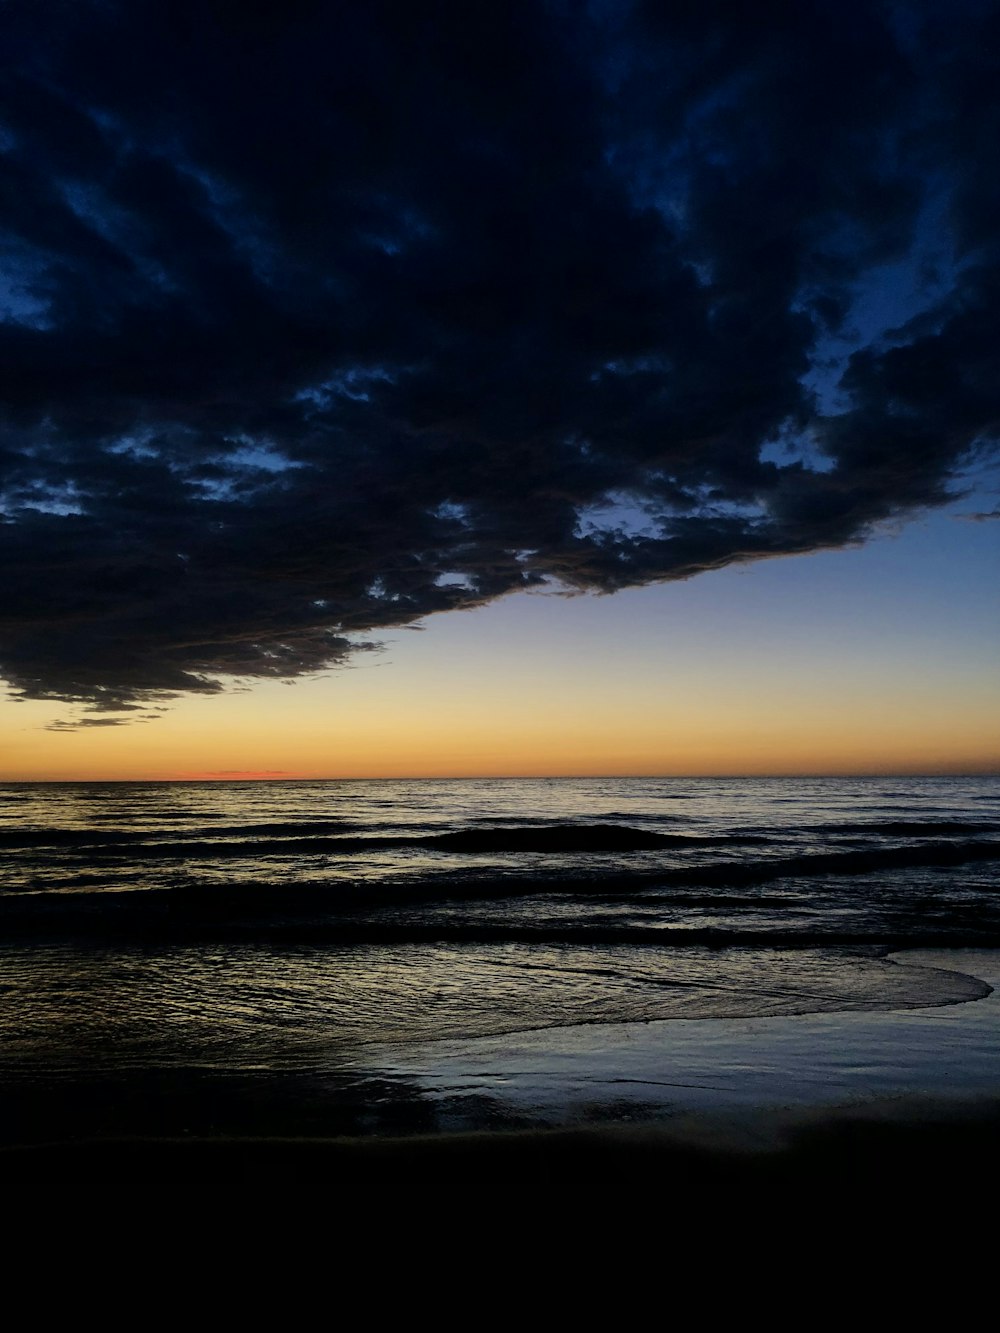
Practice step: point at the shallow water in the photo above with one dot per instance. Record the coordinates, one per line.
(660, 1070)
(289, 926)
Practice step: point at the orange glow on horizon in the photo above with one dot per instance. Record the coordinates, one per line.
(238, 775)
(533, 687)
(348, 729)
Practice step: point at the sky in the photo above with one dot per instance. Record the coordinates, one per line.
(529, 388)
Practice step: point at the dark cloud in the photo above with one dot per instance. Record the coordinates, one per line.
(319, 318)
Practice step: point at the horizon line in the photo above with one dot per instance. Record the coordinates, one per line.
(506, 777)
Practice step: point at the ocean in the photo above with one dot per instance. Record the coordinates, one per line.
(161, 936)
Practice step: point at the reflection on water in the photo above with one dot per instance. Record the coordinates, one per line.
(175, 948)
(253, 1006)
(154, 835)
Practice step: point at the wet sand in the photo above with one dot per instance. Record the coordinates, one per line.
(786, 1112)
(657, 1071)
(887, 1137)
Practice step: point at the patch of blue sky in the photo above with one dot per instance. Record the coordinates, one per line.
(246, 470)
(378, 592)
(137, 446)
(451, 511)
(454, 579)
(60, 501)
(796, 446)
(354, 383)
(704, 501)
(617, 514)
(257, 456)
(216, 490)
(887, 298)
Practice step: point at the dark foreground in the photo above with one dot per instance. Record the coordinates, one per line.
(912, 1148)
(796, 1219)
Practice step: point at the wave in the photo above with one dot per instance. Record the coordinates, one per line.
(558, 838)
(339, 906)
(710, 875)
(152, 918)
(481, 884)
(340, 837)
(858, 861)
(581, 838)
(547, 821)
(910, 828)
(140, 837)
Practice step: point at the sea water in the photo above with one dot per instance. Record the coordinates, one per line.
(287, 926)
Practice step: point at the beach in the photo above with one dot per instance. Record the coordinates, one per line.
(786, 1106)
(775, 989)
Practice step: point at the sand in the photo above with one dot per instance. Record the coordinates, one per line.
(810, 1114)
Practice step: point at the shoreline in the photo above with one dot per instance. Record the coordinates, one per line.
(658, 1070)
(778, 1165)
(830, 1095)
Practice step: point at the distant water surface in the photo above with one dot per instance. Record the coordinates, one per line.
(285, 925)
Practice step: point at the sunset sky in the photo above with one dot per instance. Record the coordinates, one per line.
(506, 390)
(880, 659)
